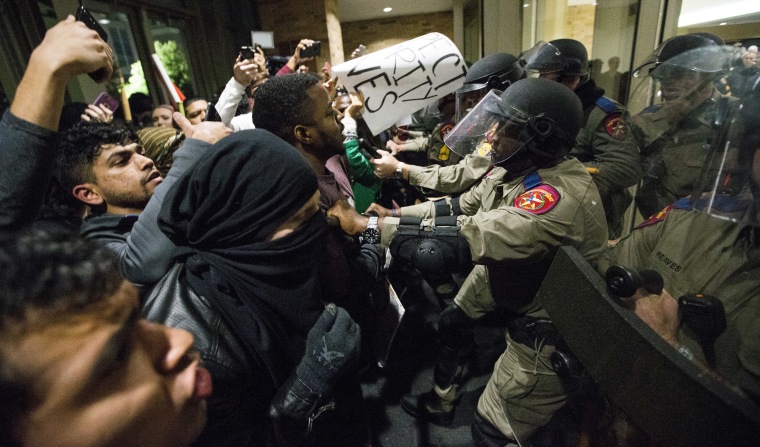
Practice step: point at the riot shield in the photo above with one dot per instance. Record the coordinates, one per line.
(671, 398)
(679, 355)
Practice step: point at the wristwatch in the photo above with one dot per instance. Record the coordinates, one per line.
(398, 173)
(371, 234)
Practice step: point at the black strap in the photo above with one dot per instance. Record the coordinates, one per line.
(442, 208)
(455, 208)
(446, 221)
(409, 220)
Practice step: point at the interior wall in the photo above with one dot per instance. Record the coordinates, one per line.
(291, 21)
(579, 25)
(502, 26)
(382, 33)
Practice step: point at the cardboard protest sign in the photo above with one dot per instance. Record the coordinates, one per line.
(404, 78)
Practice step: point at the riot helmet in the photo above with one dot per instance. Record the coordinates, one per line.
(680, 74)
(494, 72)
(537, 117)
(697, 53)
(434, 113)
(565, 57)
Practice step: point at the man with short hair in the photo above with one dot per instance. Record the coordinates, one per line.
(80, 367)
(195, 110)
(103, 166)
(298, 109)
(28, 130)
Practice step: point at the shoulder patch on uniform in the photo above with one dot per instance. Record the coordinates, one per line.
(616, 126)
(445, 129)
(681, 204)
(539, 200)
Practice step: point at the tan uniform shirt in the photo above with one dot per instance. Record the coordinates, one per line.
(698, 253)
(605, 144)
(452, 179)
(504, 224)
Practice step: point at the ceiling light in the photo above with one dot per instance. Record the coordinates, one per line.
(723, 23)
(525, 5)
(694, 12)
(387, 9)
(104, 21)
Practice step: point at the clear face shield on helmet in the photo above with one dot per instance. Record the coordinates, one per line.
(492, 128)
(468, 97)
(542, 59)
(728, 186)
(680, 82)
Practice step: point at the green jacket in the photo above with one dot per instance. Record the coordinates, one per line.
(364, 182)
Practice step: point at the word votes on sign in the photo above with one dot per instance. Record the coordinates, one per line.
(404, 78)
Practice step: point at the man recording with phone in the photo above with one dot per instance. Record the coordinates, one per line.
(306, 50)
(248, 72)
(29, 129)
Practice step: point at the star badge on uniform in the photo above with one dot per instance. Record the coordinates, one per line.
(539, 200)
(445, 129)
(616, 126)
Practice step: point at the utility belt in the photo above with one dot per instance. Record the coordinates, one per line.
(532, 332)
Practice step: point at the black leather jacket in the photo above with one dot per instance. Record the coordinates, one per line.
(246, 407)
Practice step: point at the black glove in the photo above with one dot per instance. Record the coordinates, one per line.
(332, 346)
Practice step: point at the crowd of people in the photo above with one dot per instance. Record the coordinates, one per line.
(214, 277)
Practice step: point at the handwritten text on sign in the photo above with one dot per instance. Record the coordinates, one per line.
(404, 78)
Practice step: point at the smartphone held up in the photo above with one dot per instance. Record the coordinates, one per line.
(84, 16)
(315, 49)
(107, 100)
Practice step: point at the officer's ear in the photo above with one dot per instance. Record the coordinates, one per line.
(303, 134)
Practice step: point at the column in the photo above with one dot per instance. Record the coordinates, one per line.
(334, 33)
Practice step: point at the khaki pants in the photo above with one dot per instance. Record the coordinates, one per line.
(523, 392)
(474, 297)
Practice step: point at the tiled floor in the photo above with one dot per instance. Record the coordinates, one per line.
(410, 369)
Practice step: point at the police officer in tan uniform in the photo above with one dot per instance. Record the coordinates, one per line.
(533, 200)
(494, 72)
(673, 134)
(709, 245)
(605, 144)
